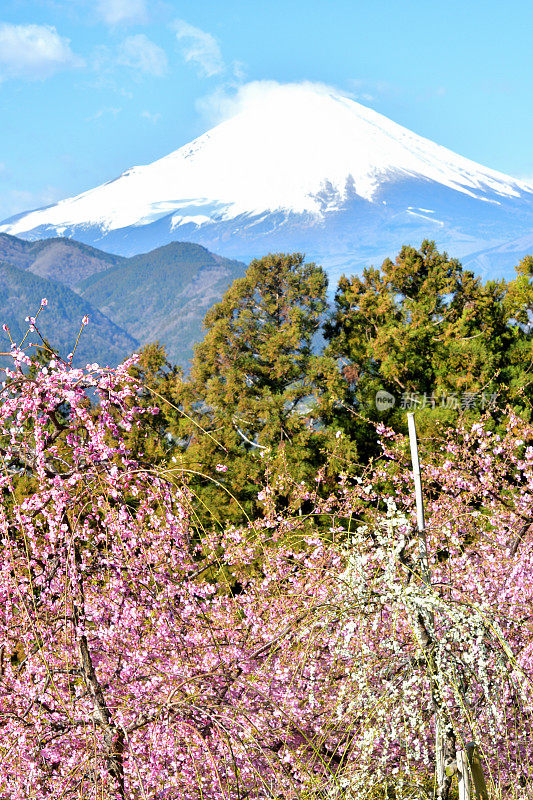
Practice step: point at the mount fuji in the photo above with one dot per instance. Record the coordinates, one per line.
(303, 167)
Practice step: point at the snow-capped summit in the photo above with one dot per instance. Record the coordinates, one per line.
(297, 166)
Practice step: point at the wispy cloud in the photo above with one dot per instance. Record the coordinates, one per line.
(104, 112)
(13, 201)
(199, 48)
(239, 70)
(122, 12)
(153, 118)
(34, 52)
(140, 53)
(371, 91)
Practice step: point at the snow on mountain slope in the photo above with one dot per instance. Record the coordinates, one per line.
(300, 157)
(275, 155)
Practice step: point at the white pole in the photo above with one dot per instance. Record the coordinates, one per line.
(439, 753)
(424, 564)
(420, 521)
(468, 760)
(416, 472)
(463, 776)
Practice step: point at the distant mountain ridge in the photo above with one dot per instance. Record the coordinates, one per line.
(305, 168)
(160, 295)
(20, 296)
(164, 295)
(64, 260)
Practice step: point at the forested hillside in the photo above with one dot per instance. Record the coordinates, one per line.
(62, 260)
(160, 295)
(163, 295)
(21, 292)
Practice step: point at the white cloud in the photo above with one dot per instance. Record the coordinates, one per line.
(33, 51)
(225, 102)
(140, 53)
(122, 12)
(153, 118)
(199, 48)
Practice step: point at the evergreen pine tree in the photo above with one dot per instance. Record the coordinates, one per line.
(423, 327)
(252, 393)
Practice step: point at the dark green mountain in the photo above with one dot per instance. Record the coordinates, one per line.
(20, 296)
(163, 295)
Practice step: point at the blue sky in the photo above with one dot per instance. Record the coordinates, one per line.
(89, 88)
